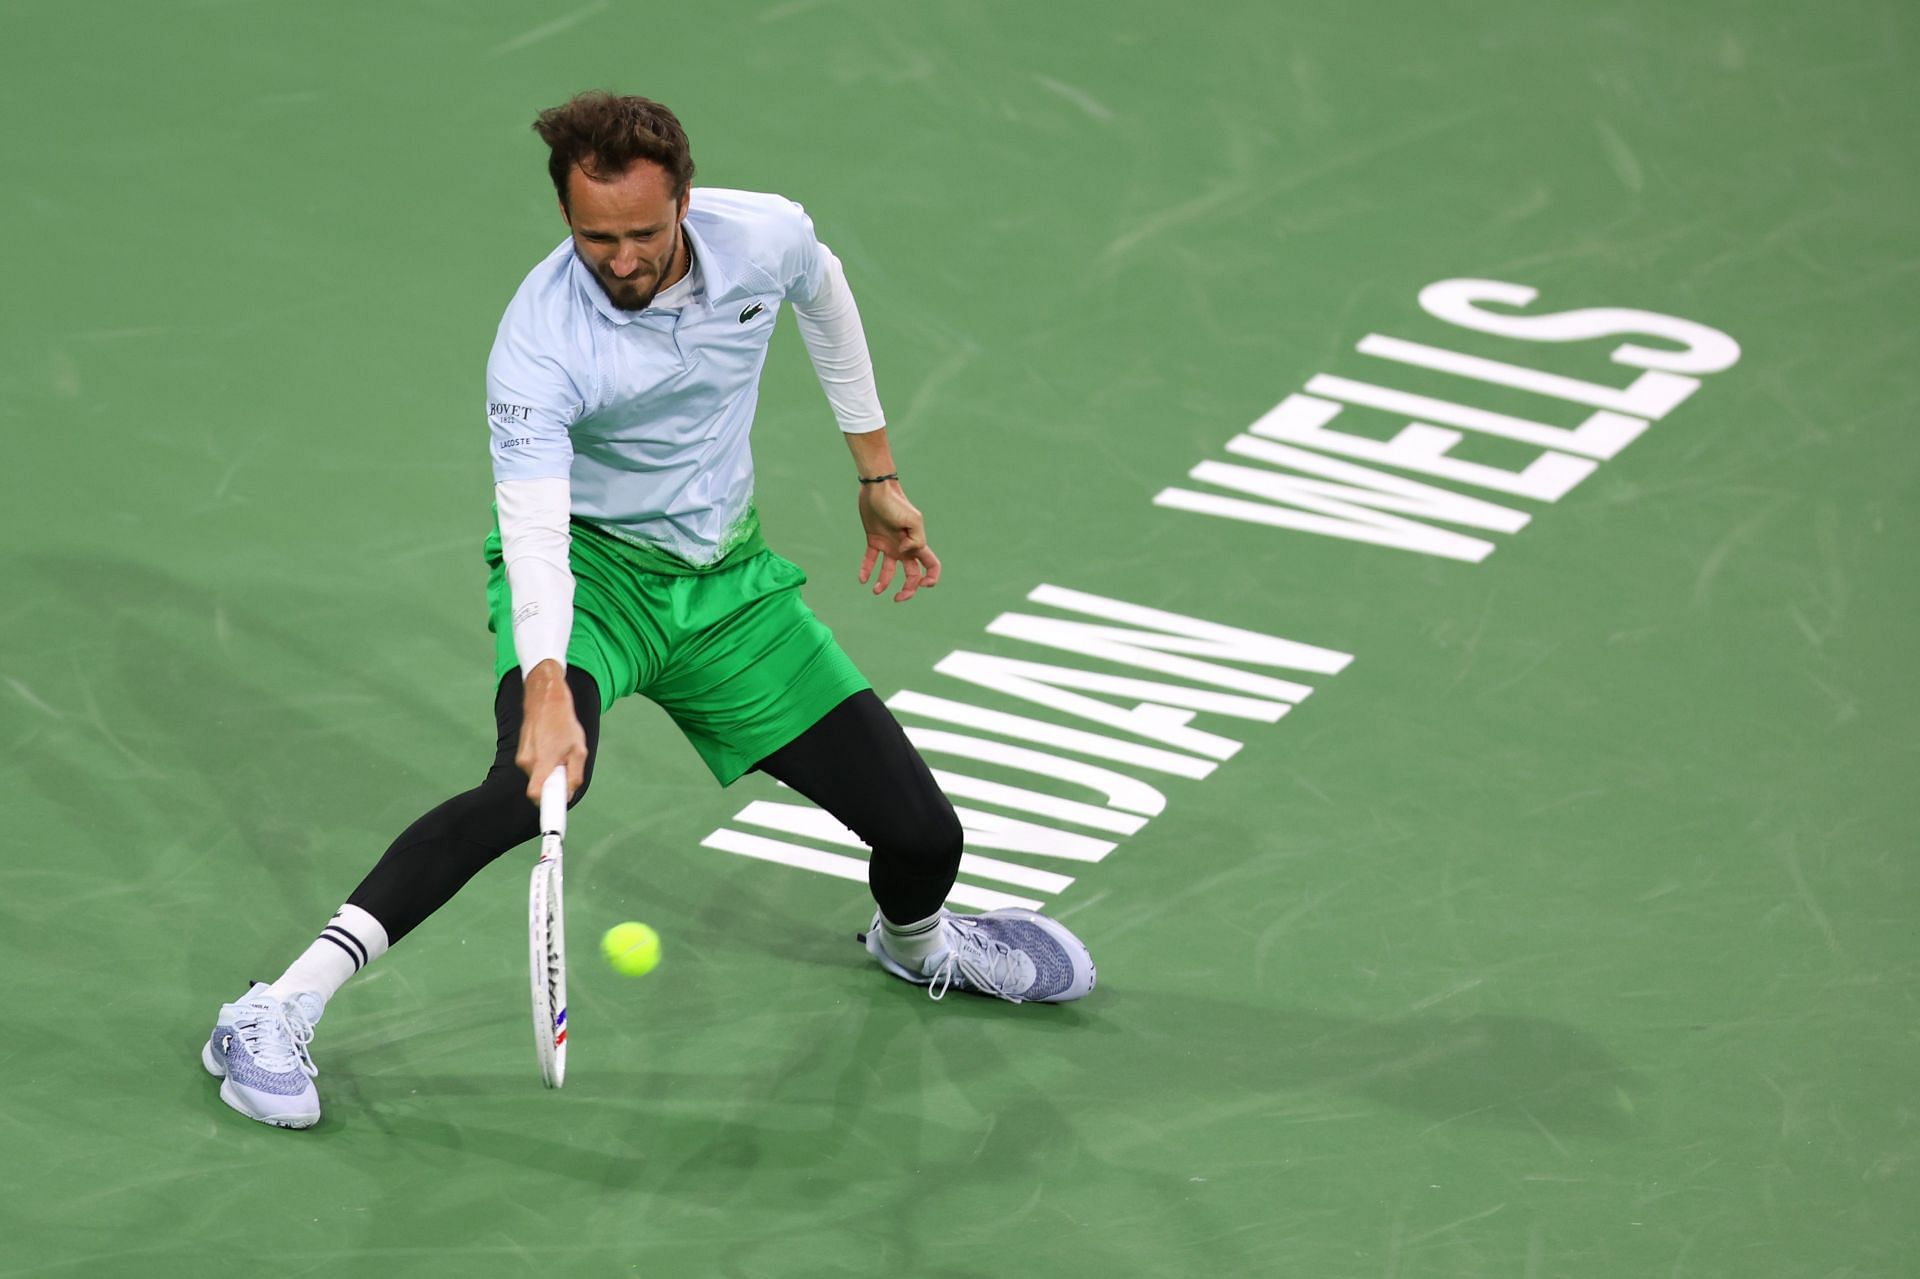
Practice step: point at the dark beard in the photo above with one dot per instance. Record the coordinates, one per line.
(646, 299)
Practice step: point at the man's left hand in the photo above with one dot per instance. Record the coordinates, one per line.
(896, 538)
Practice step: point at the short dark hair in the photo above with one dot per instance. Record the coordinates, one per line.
(605, 134)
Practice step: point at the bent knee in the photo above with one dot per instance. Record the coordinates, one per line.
(934, 838)
(949, 836)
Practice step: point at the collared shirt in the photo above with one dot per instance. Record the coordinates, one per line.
(647, 412)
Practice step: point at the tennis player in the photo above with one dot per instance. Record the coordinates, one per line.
(628, 558)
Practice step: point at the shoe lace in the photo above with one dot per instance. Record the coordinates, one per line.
(982, 963)
(277, 1035)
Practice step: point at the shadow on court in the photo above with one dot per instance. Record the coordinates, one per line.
(862, 1112)
(1238, 1062)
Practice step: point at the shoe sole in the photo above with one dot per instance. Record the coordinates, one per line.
(218, 1069)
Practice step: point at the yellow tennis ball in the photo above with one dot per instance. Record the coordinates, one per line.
(632, 949)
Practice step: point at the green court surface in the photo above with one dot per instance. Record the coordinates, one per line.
(1569, 930)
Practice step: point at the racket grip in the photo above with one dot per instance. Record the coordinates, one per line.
(553, 802)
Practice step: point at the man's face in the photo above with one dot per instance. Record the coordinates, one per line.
(627, 231)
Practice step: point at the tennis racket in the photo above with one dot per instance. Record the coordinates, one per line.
(547, 935)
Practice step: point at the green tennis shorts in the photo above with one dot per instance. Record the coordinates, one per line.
(732, 653)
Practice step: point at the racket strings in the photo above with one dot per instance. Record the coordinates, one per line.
(547, 950)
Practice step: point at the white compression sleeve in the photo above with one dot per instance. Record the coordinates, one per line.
(534, 540)
(830, 326)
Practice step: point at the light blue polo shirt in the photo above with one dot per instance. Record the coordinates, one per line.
(647, 412)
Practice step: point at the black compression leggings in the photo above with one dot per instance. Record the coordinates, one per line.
(856, 763)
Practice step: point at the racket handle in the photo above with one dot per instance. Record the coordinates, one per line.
(553, 803)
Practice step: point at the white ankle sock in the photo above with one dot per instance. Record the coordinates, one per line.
(350, 941)
(910, 944)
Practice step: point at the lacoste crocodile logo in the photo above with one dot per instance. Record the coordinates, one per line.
(750, 312)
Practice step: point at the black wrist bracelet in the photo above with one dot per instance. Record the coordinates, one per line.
(880, 479)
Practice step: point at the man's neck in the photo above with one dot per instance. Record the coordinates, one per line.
(682, 258)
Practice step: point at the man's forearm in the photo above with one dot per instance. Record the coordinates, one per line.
(872, 455)
(544, 679)
(837, 344)
(534, 541)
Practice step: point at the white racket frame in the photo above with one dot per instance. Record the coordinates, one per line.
(547, 935)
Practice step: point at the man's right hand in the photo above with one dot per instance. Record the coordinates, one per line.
(550, 733)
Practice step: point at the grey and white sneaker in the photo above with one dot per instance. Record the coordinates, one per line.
(1016, 955)
(258, 1050)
